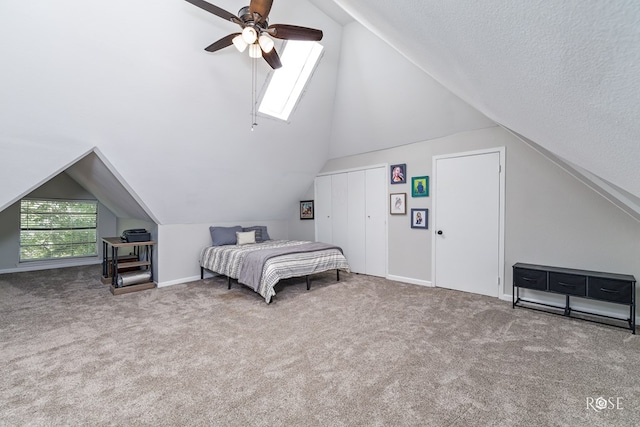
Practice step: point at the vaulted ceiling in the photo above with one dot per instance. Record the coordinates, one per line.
(561, 73)
(131, 78)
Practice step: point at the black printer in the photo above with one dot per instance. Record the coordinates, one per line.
(135, 235)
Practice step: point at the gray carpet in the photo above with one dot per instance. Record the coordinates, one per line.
(360, 352)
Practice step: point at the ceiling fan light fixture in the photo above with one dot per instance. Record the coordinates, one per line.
(239, 43)
(265, 43)
(249, 35)
(254, 51)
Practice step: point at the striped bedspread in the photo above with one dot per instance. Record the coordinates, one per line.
(229, 260)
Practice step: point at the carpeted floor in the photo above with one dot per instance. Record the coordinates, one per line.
(360, 352)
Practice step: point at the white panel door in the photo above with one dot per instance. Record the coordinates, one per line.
(323, 209)
(339, 212)
(376, 221)
(357, 248)
(467, 223)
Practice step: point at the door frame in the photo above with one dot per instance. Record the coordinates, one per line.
(501, 212)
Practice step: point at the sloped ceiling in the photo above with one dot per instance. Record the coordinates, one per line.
(562, 73)
(131, 78)
(383, 100)
(97, 176)
(25, 164)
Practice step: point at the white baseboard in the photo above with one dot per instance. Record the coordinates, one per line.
(410, 280)
(208, 274)
(49, 265)
(178, 281)
(505, 297)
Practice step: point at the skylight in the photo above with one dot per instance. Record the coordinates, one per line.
(299, 59)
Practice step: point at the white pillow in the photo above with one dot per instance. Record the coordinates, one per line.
(246, 237)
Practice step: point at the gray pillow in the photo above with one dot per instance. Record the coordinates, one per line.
(221, 236)
(261, 232)
(265, 235)
(258, 231)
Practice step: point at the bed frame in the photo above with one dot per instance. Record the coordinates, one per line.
(202, 269)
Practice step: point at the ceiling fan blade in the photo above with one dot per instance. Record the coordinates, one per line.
(294, 32)
(261, 7)
(215, 10)
(272, 58)
(222, 43)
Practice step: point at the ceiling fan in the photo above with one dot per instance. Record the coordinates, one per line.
(254, 21)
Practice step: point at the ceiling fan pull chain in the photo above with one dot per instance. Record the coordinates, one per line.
(254, 85)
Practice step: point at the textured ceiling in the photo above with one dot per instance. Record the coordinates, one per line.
(562, 73)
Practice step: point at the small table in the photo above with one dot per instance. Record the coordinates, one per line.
(572, 283)
(111, 267)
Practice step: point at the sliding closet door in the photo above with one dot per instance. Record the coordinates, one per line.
(376, 221)
(323, 209)
(357, 226)
(339, 210)
(351, 212)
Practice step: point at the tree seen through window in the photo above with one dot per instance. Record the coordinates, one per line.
(52, 229)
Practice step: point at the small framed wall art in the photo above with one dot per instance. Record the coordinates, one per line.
(420, 186)
(399, 173)
(306, 209)
(420, 218)
(398, 203)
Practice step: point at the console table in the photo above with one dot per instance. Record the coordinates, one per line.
(593, 285)
(112, 266)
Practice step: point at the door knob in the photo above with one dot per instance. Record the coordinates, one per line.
(439, 232)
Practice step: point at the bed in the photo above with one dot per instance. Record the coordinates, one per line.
(251, 257)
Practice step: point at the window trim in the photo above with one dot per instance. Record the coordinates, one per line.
(297, 85)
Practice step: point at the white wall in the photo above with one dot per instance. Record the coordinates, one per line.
(383, 100)
(179, 247)
(132, 78)
(10, 237)
(301, 229)
(551, 217)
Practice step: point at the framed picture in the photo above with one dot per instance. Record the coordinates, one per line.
(420, 218)
(399, 173)
(420, 186)
(398, 203)
(306, 209)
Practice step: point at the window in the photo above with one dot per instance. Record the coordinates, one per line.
(299, 60)
(53, 229)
